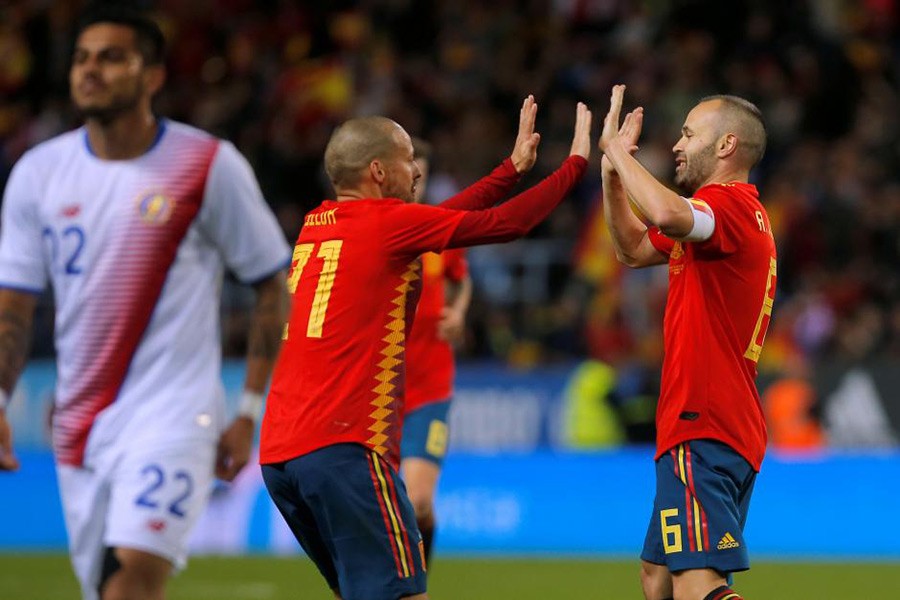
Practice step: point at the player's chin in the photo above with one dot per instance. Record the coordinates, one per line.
(92, 109)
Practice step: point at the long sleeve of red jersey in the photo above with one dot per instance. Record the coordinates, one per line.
(487, 191)
(516, 217)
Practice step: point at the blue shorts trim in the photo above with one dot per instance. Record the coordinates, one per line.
(703, 491)
(350, 512)
(425, 433)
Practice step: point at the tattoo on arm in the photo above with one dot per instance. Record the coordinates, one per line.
(15, 339)
(265, 328)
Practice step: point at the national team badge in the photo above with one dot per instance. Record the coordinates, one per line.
(155, 208)
(677, 251)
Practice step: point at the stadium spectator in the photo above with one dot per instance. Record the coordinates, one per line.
(331, 432)
(711, 433)
(134, 218)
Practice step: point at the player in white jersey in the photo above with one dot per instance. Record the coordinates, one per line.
(133, 220)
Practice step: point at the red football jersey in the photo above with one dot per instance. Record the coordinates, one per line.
(429, 359)
(335, 345)
(355, 278)
(720, 300)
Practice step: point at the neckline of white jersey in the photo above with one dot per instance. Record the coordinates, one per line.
(161, 124)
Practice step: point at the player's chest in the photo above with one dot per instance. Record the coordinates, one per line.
(680, 259)
(86, 211)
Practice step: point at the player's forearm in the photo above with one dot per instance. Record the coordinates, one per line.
(16, 314)
(663, 207)
(460, 295)
(266, 325)
(625, 228)
(519, 215)
(487, 191)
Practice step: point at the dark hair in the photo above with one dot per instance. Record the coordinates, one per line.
(747, 119)
(150, 40)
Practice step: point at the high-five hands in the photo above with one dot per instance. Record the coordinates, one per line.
(581, 139)
(627, 135)
(524, 154)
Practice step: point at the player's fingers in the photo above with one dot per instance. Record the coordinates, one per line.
(230, 471)
(638, 121)
(626, 124)
(584, 118)
(522, 113)
(526, 115)
(532, 115)
(615, 106)
(222, 459)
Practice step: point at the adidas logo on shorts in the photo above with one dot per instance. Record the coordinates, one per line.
(727, 542)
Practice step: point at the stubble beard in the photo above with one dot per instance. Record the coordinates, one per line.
(404, 194)
(105, 114)
(697, 169)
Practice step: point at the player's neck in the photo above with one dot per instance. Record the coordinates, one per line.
(728, 174)
(364, 190)
(128, 136)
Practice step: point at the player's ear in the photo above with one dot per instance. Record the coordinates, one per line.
(376, 170)
(727, 145)
(154, 78)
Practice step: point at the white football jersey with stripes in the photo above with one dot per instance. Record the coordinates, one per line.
(135, 251)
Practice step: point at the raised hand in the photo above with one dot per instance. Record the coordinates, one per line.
(611, 123)
(581, 139)
(524, 154)
(628, 134)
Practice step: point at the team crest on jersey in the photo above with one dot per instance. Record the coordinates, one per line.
(155, 208)
(677, 251)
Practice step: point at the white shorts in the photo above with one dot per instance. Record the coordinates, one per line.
(142, 498)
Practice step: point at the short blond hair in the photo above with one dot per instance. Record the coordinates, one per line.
(355, 144)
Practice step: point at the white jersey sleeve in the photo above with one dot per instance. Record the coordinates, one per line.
(22, 263)
(236, 218)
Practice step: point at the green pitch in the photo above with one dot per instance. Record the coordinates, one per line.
(48, 577)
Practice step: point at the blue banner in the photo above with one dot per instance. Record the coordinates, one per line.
(509, 486)
(827, 506)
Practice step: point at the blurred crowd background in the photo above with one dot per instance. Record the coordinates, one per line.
(275, 77)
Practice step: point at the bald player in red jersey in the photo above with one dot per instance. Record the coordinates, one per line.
(711, 434)
(430, 368)
(331, 430)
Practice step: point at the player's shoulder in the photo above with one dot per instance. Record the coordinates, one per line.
(732, 195)
(51, 152)
(176, 131)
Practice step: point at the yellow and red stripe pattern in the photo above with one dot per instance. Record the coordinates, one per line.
(698, 526)
(395, 344)
(386, 493)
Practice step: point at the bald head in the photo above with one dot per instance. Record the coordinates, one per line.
(743, 119)
(356, 143)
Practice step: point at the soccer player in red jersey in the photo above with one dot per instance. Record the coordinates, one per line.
(721, 255)
(331, 431)
(439, 323)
